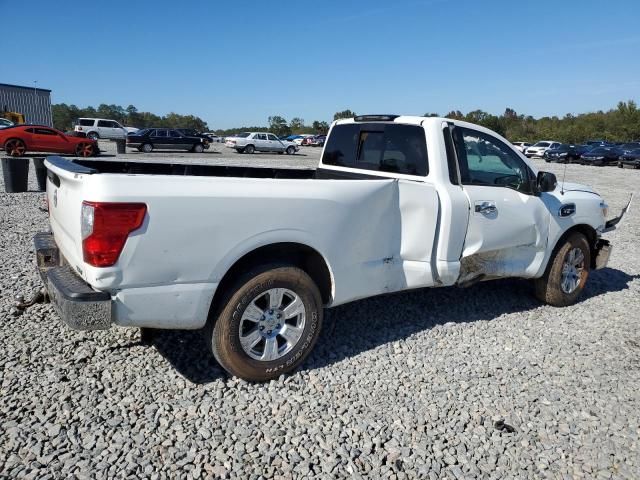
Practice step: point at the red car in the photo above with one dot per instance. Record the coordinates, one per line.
(18, 140)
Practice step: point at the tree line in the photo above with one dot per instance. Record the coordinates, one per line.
(617, 124)
(64, 115)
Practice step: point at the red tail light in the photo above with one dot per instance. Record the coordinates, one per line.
(105, 228)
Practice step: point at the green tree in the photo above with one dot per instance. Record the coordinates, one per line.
(297, 125)
(344, 114)
(320, 127)
(278, 125)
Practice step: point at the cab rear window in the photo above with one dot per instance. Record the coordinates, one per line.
(392, 148)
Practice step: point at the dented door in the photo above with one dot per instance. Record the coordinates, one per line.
(508, 224)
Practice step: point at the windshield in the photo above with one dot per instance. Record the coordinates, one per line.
(542, 144)
(600, 151)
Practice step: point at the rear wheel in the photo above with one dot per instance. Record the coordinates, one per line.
(147, 148)
(567, 272)
(93, 135)
(15, 147)
(291, 150)
(84, 150)
(249, 149)
(267, 324)
(198, 148)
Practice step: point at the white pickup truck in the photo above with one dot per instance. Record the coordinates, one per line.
(252, 255)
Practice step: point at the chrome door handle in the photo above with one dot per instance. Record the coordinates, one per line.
(486, 207)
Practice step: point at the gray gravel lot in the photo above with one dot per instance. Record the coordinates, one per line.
(402, 386)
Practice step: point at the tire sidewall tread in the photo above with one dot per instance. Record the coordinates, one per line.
(222, 333)
(548, 287)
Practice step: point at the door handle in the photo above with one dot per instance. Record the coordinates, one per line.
(486, 207)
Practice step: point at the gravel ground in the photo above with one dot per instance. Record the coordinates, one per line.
(412, 385)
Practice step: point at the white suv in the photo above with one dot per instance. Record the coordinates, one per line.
(95, 128)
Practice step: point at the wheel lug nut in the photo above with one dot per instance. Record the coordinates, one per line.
(279, 315)
(278, 326)
(269, 332)
(261, 327)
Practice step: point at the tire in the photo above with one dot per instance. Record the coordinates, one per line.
(198, 148)
(15, 147)
(93, 135)
(147, 148)
(550, 287)
(253, 292)
(249, 149)
(85, 150)
(291, 150)
(620, 165)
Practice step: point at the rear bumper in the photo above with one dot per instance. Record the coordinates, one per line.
(80, 306)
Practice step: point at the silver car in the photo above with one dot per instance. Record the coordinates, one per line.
(249, 142)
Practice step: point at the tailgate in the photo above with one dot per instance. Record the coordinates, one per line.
(66, 186)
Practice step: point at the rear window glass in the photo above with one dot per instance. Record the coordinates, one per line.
(389, 148)
(242, 135)
(85, 122)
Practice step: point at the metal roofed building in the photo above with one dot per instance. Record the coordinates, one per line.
(34, 103)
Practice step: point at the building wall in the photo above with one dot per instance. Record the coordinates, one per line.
(35, 104)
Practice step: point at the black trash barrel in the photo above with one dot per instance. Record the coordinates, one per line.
(15, 171)
(121, 145)
(41, 173)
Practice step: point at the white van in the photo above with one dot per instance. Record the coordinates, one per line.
(95, 128)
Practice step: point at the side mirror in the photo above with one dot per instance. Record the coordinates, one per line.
(546, 182)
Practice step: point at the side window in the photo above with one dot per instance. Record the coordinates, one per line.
(161, 133)
(114, 125)
(272, 137)
(86, 122)
(392, 148)
(151, 133)
(261, 136)
(104, 123)
(174, 134)
(44, 131)
(485, 160)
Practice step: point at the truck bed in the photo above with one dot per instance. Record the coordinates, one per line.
(196, 170)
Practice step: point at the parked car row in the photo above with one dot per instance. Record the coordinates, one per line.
(592, 152)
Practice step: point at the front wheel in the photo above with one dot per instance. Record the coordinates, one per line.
(567, 272)
(198, 148)
(268, 325)
(147, 148)
(291, 150)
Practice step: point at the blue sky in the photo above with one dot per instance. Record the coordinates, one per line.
(236, 63)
